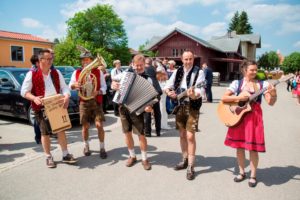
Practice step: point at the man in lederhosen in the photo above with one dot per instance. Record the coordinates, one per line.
(132, 122)
(184, 78)
(91, 110)
(42, 82)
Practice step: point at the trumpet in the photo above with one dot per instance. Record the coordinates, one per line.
(88, 80)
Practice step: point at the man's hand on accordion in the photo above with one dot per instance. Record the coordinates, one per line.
(148, 109)
(115, 85)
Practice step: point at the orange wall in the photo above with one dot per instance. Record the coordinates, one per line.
(5, 51)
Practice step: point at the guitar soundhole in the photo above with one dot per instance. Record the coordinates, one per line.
(242, 103)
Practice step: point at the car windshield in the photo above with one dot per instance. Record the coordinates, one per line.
(20, 75)
(67, 77)
(65, 70)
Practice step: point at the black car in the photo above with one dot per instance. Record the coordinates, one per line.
(13, 104)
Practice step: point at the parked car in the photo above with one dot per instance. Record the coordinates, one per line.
(65, 69)
(13, 104)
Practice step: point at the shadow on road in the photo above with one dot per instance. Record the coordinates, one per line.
(4, 158)
(114, 156)
(278, 175)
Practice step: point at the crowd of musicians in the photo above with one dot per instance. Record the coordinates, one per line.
(44, 80)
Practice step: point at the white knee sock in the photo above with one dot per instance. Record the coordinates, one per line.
(131, 153)
(65, 152)
(144, 155)
(86, 143)
(101, 145)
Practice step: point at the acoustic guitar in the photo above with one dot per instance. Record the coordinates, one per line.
(181, 94)
(232, 113)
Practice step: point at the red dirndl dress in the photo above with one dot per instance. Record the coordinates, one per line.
(249, 133)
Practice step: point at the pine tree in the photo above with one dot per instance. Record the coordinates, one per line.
(233, 26)
(244, 27)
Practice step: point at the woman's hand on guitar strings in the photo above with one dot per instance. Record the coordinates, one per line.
(244, 96)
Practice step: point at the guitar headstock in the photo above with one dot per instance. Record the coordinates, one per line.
(286, 77)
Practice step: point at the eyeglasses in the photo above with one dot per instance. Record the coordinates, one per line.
(48, 59)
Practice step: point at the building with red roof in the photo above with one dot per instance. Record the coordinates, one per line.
(16, 49)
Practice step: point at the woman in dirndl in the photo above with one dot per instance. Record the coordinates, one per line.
(249, 133)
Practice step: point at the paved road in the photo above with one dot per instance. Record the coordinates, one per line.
(23, 174)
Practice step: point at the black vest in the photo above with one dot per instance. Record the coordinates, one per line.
(194, 104)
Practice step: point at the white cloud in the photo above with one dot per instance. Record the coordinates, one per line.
(214, 29)
(268, 15)
(31, 23)
(297, 44)
(147, 31)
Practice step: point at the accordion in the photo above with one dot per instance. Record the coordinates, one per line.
(135, 93)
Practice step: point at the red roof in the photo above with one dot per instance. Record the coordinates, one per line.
(21, 36)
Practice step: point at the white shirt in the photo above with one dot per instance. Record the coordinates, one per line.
(103, 85)
(233, 87)
(115, 72)
(183, 84)
(49, 86)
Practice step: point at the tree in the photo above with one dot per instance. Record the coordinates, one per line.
(240, 24)
(233, 26)
(244, 26)
(66, 53)
(273, 59)
(147, 52)
(263, 60)
(99, 29)
(56, 41)
(268, 60)
(291, 63)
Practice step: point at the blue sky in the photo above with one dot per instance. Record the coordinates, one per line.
(278, 21)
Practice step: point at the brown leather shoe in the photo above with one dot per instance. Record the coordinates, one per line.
(50, 163)
(190, 173)
(131, 161)
(182, 165)
(146, 164)
(86, 151)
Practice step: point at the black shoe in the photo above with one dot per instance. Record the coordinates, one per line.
(239, 178)
(190, 173)
(38, 141)
(158, 134)
(148, 135)
(103, 154)
(69, 159)
(181, 165)
(86, 151)
(252, 184)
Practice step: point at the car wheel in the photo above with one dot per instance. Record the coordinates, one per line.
(30, 116)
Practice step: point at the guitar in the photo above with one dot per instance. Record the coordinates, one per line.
(173, 104)
(232, 113)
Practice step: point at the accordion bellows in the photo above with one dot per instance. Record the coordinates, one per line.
(135, 93)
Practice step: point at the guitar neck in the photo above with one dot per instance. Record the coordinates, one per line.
(184, 94)
(255, 95)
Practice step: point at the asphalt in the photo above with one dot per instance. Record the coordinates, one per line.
(24, 175)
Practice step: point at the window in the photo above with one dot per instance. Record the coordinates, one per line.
(175, 53)
(17, 53)
(36, 51)
(181, 51)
